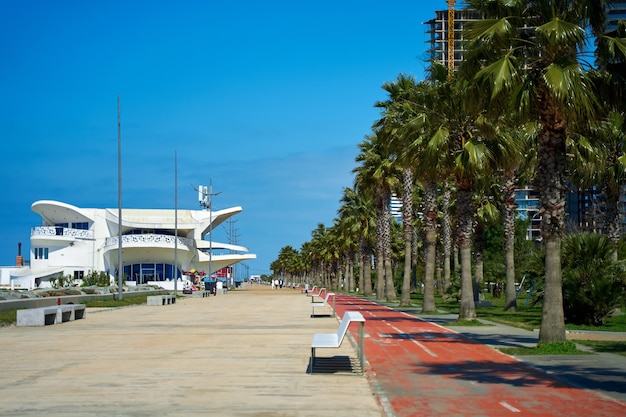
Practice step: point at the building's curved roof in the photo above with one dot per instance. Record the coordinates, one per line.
(205, 244)
(55, 212)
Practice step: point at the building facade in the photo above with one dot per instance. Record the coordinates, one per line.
(438, 31)
(76, 241)
(615, 12)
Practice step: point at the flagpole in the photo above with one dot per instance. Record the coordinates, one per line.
(120, 265)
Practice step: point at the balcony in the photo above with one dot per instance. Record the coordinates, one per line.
(148, 240)
(50, 231)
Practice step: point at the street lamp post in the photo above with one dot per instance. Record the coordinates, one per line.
(120, 264)
(207, 203)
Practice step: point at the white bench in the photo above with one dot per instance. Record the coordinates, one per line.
(324, 303)
(160, 300)
(333, 340)
(43, 316)
(309, 292)
(203, 294)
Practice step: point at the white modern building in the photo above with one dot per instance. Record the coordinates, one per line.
(76, 241)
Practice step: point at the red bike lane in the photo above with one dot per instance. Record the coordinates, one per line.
(419, 368)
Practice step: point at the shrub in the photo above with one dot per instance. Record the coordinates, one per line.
(62, 281)
(593, 283)
(99, 279)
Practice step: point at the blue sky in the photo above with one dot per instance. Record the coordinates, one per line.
(268, 99)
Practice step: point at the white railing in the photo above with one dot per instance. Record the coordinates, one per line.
(61, 231)
(149, 240)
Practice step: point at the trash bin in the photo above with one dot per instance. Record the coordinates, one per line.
(210, 286)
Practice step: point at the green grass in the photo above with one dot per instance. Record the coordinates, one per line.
(612, 324)
(8, 317)
(469, 323)
(565, 348)
(526, 317)
(605, 346)
(127, 300)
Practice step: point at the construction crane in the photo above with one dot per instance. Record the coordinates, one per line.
(450, 37)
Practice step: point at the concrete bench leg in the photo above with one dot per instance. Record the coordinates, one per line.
(79, 313)
(360, 349)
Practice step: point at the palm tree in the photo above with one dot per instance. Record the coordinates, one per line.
(459, 141)
(486, 213)
(601, 162)
(352, 224)
(397, 118)
(377, 173)
(526, 51)
(359, 206)
(446, 233)
(410, 112)
(515, 158)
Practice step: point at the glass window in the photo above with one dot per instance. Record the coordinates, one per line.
(41, 253)
(128, 276)
(159, 272)
(136, 272)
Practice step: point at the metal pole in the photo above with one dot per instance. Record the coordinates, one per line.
(175, 223)
(120, 265)
(211, 233)
(209, 206)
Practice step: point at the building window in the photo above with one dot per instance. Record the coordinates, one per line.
(79, 274)
(144, 272)
(41, 253)
(80, 226)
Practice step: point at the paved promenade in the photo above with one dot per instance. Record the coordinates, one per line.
(247, 354)
(241, 354)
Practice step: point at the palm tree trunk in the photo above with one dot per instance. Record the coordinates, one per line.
(407, 227)
(360, 285)
(367, 273)
(552, 175)
(478, 259)
(446, 236)
(552, 328)
(508, 218)
(465, 202)
(430, 242)
(380, 262)
(380, 274)
(414, 259)
(386, 216)
(405, 298)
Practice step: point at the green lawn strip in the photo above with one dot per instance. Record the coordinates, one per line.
(467, 323)
(612, 324)
(9, 317)
(127, 300)
(526, 317)
(565, 348)
(618, 348)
